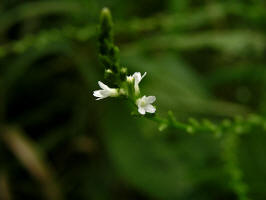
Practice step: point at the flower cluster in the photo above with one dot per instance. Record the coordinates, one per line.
(131, 90)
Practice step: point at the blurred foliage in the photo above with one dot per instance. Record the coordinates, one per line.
(204, 59)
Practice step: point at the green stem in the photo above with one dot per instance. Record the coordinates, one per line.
(230, 145)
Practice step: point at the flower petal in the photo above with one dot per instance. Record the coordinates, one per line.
(137, 77)
(105, 93)
(150, 99)
(103, 86)
(150, 109)
(141, 110)
(143, 75)
(97, 93)
(100, 98)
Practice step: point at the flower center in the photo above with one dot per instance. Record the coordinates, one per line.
(142, 103)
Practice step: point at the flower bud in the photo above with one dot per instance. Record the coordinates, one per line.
(108, 71)
(130, 79)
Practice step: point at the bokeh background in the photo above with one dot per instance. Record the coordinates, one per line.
(204, 59)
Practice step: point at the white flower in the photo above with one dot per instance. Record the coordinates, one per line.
(144, 104)
(137, 77)
(105, 92)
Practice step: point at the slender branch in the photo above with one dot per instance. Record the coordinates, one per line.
(230, 144)
(116, 75)
(230, 129)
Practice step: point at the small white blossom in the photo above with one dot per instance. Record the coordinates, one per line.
(144, 104)
(105, 92)
(137, 78)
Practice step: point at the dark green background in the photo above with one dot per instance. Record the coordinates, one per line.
(202, 58)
